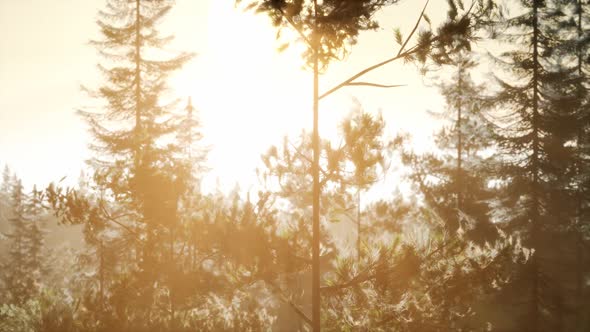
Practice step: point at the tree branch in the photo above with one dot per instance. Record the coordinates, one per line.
(400, 54)
(302, 155)
(359, 278)
(376, 85)
(295, 308)
(414, 29)
(303, 36)
(114, 220)
(366, 275)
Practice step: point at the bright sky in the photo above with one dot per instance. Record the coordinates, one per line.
(248, 95)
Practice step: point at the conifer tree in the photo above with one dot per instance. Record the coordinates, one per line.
(327, 29)
(366, 152)
(136, 168)
(344, 169)
(5, 191)
(568, 124)
(532, 134)
(582, 220)
(6, 182)
(36, 255)
(24, 271)
(17, 269)
(379, 292)
(454, 179)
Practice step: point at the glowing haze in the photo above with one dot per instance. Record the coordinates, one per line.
(248, 95)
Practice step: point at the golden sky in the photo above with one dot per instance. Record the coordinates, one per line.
(248, 95)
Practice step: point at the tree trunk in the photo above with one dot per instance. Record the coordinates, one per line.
(579, 196)
(534, 310)
(315, 283)
(137, 82)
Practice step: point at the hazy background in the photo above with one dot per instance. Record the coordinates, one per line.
(248, 95)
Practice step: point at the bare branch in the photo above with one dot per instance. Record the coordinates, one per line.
(359, 74)
(401, 54)
(376, 85)
(414, 29)
(114, 220)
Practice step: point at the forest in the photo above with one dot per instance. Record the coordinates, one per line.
(491, 234)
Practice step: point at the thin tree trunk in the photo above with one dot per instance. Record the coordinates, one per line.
(446, 306)
(315, 283)
(137, 134)
(579, 238)
(459, 145)
(534, 310)
(137, 81)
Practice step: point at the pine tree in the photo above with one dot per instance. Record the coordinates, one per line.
(345, 168)
(36, 254)
(379, 291)
(577, 47)
(532, 134)
(523, 102)
(582, 224)
(366, 151)
(17, 270)
(136, 166)
(5, 207)
(567, 149)
(25, 268)
(5, 189)
(139, 208)
(454, 179)
(328, 28)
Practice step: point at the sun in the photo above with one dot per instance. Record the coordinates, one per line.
(248, 94)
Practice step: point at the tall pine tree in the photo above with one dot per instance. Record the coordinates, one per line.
(17, 276)
(454, 179)
(137, 165)
(534, 125)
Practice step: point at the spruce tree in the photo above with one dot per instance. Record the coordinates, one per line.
(136, 166)
(25, 269)
(36, 255)
(573, 21)
(532, 134)
(568, 125)
(5, 189)
(17, 275)
(454, 179)
(582, 223)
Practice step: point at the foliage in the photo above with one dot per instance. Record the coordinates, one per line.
(455, 177)
(538, 121)
(332, 24)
